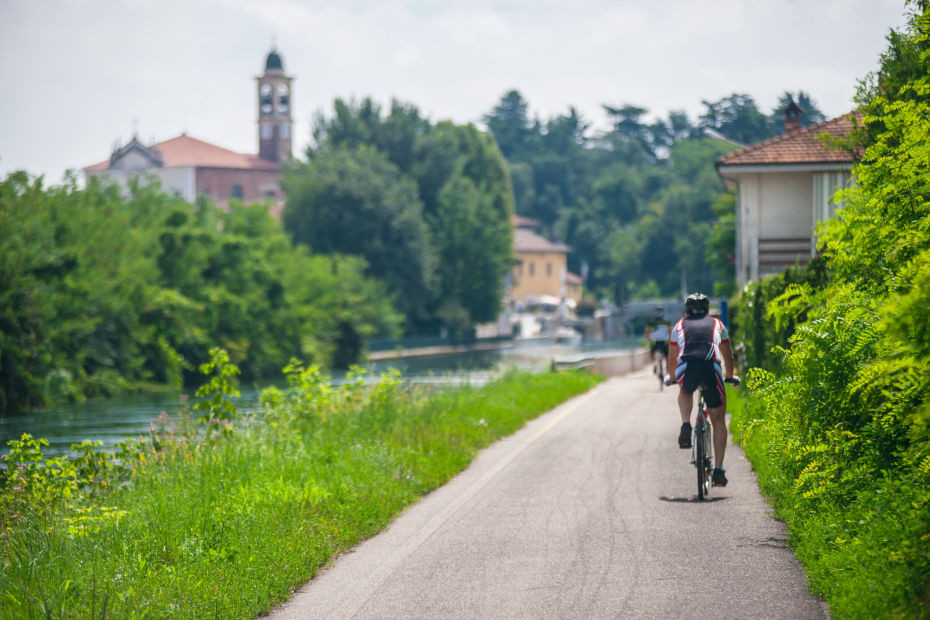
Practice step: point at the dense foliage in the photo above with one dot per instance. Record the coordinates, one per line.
(760, 336)
(227, 516)
(640, 204)
(841, 434)
(427, 205)
(102, 294)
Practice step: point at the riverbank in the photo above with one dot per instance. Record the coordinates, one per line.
(226, 522)
(116, 419)
(403, 353)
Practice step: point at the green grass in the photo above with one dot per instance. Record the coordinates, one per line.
(227, 525)
(862, 539)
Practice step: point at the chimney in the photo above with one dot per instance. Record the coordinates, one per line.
(792, 116)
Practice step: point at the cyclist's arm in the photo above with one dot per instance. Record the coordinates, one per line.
(727, 351)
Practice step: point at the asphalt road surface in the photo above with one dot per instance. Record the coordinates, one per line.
(589, 511)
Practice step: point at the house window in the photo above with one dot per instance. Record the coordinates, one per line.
(532, 265)
(269, 194)
(236, 191)
(548, 270)
(266, 131)
(285, 131)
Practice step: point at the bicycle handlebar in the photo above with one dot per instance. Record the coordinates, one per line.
(732, 380)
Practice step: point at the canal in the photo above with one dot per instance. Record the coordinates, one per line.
(115, 419)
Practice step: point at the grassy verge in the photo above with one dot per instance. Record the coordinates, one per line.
(225, 517)
(858, 537)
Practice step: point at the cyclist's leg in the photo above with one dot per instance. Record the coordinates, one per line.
(685, 405)
(716, 397)
(719, 421)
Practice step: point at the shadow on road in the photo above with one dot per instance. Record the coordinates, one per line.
(691, 500)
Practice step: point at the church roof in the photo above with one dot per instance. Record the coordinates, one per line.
(800, 146)
(185, 151)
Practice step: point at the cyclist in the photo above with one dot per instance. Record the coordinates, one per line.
(657, 333)
(699, 344)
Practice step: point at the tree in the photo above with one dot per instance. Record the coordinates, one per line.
(737, 118)
(510, 125)
(468, 202)
(810, 113)
(352, 200)
(721, 245)
(473, 255)
(625, 256)
(132, 293)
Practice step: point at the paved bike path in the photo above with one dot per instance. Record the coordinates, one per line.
(589, 511)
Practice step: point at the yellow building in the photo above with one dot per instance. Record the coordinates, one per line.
(541, 273)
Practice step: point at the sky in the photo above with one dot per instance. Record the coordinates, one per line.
(80, 76)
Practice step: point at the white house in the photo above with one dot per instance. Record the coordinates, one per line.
(784, 187)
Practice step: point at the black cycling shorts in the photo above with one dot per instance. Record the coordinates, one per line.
(659, 345)
(704, 374)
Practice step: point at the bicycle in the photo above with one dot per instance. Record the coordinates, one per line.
(659, 365)
(702, 445)
(660, 370)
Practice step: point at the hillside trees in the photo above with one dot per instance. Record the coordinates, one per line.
(634, 202)
(427, 205)
(738, 118)
(648, 180)
(132, 292)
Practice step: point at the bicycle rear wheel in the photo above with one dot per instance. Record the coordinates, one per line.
(699, 460)
(660, 370)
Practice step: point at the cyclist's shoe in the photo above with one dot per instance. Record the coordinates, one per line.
(684, 437)
(719, 477)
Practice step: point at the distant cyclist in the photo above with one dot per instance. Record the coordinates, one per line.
(657, 333)
(699, 343)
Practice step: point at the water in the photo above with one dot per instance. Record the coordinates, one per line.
(115, 419)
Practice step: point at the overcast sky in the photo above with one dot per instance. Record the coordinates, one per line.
(79, 75)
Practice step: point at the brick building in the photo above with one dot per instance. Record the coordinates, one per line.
(188, 167)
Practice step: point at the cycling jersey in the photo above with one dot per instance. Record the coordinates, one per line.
(699, 337)
(658, 330)
(699, 358)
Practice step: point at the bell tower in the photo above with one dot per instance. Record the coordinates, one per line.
(274, 111)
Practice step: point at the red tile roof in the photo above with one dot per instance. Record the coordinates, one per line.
(800, 146)
(521, 221)
(526, 241)
(186, 151)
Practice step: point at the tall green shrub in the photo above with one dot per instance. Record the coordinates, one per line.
(846, 414)
(754, 331)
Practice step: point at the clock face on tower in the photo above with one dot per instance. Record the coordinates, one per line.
(283, 98)
(265, 99)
